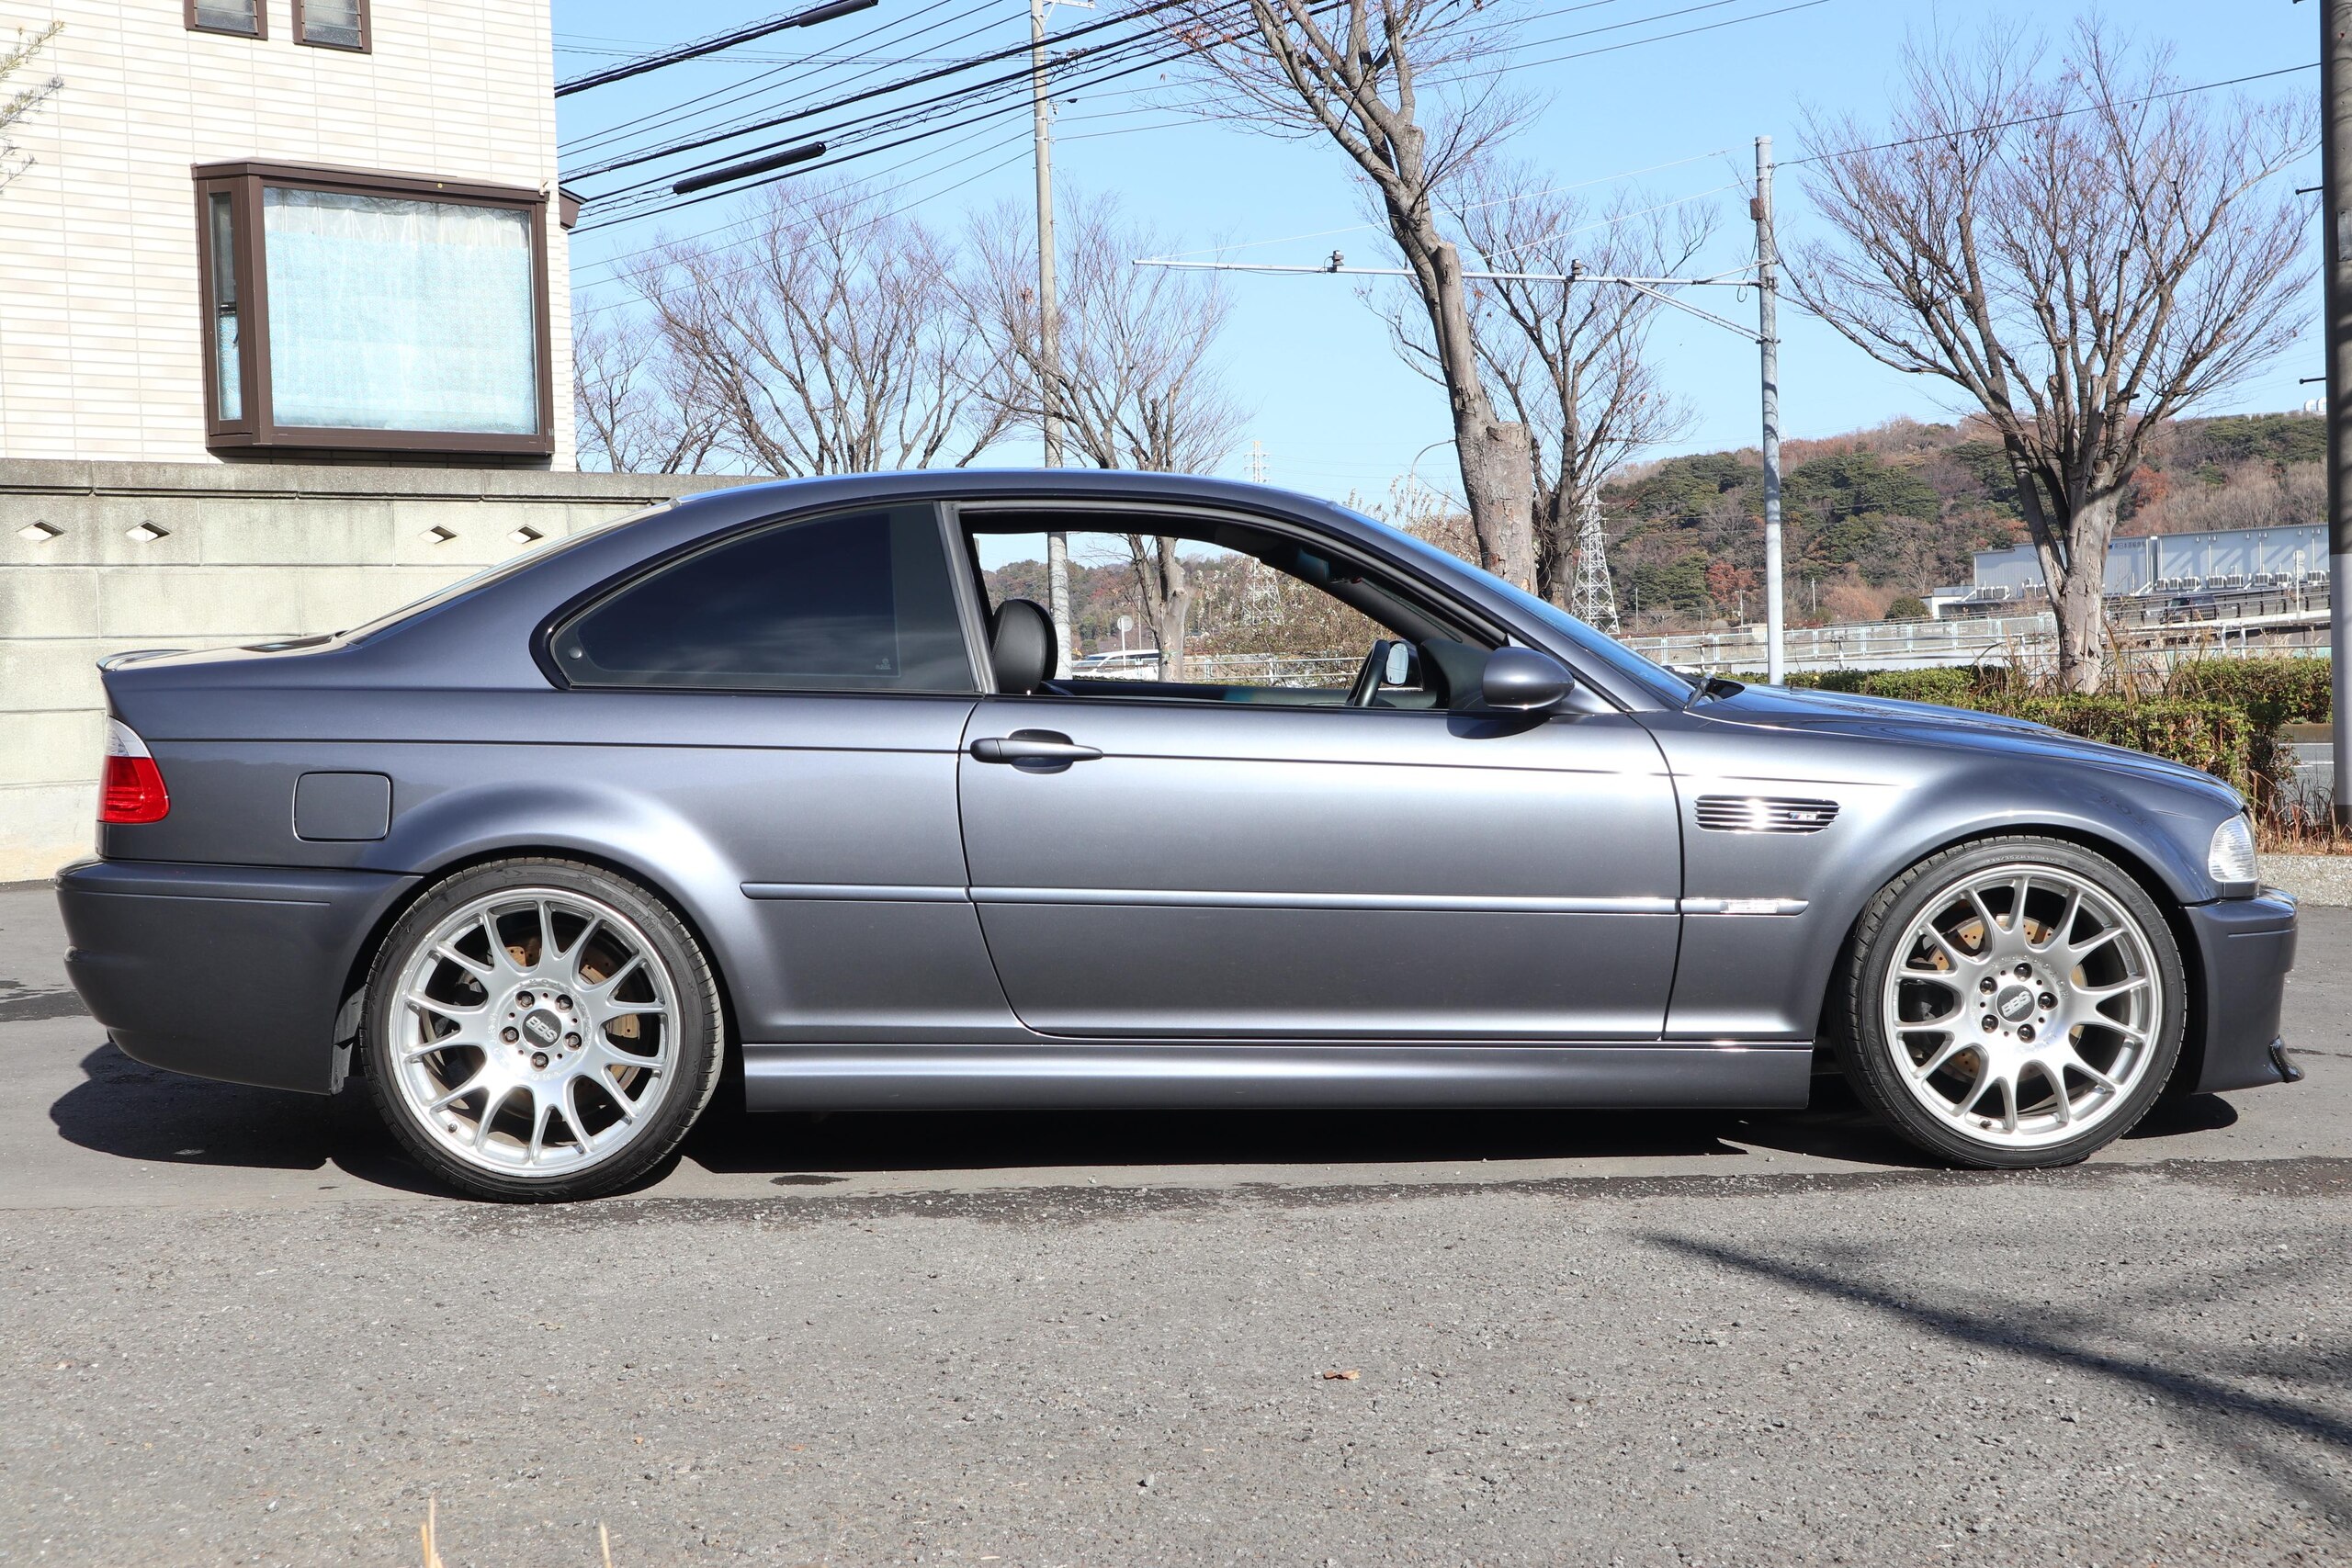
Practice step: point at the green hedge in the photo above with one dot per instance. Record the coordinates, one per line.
(2221, 739)
(1960, 687)
(2277, 691)
(2230, 733)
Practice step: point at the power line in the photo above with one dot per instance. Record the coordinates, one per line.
(1662, 37)
(673, 114)
(651, 200)
(712, 45)
(649, 204)
(1100, 75)
(899, 210)
(858, 129)
(2054, 114)
(888, 88)
(619, 259)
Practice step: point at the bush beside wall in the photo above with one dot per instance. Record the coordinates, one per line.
(2228, 727)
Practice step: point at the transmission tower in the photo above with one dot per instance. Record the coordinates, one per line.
(1593, 601)
(1257, 456)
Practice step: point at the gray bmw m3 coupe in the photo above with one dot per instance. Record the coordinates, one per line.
(779, 785)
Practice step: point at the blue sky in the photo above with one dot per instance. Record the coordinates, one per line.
(1331, 404)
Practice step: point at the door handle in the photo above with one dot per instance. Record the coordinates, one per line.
(1032, 746)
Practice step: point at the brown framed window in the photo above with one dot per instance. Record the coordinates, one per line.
(246, 18)
(332, 24)
(350, 309)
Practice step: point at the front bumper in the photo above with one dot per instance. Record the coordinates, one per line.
(2246, 947)
(223, 972)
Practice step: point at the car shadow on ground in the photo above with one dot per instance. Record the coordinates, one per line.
(130, 1109)
(134, 1111)
(805, 1146)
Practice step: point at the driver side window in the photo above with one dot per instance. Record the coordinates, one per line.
(1151, 612)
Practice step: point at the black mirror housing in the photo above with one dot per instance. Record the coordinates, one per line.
(1523, 679)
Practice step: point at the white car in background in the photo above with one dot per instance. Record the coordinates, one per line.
(1127, 664)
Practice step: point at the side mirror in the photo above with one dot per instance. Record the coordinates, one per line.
(1522, 680)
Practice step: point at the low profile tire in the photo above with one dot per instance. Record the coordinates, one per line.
(2011, 1004)
(540, 1030)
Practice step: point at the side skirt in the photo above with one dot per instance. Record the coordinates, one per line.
(1335, 1077)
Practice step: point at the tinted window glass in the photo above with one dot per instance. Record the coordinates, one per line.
(858, 602)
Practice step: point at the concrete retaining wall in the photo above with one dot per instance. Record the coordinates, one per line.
(100, 558)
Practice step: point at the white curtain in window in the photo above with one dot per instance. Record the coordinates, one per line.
(391, 314)
(331, 21)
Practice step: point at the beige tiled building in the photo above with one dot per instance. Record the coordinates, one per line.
(102, 312)
(284, 343)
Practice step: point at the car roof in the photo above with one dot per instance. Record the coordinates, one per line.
(474, 639)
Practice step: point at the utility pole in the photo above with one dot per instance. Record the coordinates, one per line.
(1768, 336)
(1765, 334)
(1049, 332)
(2336, 183)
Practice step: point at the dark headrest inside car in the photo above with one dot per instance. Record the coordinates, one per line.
(1021, 646)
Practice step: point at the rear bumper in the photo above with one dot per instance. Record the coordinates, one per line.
(2246, 946)
(223, 972)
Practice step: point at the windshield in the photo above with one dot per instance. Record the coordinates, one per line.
(1657, 678)
(497, 569)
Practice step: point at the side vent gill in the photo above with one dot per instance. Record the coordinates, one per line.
(1759, 814)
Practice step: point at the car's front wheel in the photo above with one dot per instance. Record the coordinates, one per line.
(2011, 1003)
(540, 1030)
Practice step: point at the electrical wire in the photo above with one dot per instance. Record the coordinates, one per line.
(645, 206)
(882, 218)
(1006, 98)
(826, 11)
(923, 79)
(1012, 89)
(2056, 114)
(673, 114)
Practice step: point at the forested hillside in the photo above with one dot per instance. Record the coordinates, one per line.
(1883, 514)
(1872, 519)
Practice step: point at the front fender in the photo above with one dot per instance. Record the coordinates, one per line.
(1765, 975)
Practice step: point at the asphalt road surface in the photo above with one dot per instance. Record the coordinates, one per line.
(239, 1329)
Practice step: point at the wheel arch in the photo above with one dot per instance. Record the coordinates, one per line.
(2131, 860)
(354, 981)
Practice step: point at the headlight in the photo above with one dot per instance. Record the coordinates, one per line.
(2230, 859)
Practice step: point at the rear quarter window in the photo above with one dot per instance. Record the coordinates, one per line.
(854, 601)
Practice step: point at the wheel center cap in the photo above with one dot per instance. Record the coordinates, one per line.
(2015, 1003)
(542, 1028)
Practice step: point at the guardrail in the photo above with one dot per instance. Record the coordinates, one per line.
(2265, 624)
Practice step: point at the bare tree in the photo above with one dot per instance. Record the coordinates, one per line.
(1569, 360)
(2080, 257)
(1138, 383)
(637, 412)
(16, 106)
(1361, 72)
(826, 342)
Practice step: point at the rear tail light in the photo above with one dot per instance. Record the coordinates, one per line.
(132, 789)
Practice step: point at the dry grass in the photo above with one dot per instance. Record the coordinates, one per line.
(2296, 835)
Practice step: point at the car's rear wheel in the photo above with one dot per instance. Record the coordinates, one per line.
(2012, 1003)
(540, 1030)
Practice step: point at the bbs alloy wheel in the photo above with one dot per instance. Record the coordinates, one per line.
(541, 1030)
(2013, 1003)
